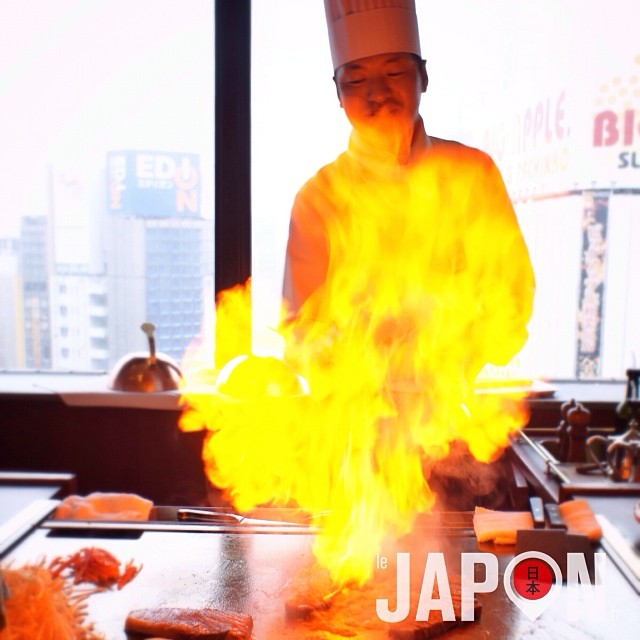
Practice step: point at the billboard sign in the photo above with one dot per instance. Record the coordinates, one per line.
(583, 135)
(153, 184)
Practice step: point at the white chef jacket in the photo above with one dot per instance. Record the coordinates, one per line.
(463, 234)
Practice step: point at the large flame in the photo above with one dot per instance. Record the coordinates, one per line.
(416, 302)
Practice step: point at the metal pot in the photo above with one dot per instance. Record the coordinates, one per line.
(146, 372)
(621, 454)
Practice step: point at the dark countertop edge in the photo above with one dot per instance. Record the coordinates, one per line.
(91, 389)
(86, 389)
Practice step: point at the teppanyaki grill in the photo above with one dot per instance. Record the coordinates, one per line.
(255, 571)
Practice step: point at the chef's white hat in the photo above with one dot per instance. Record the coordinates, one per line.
(361, 28)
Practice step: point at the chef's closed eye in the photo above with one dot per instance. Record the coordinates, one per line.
(351, 77)
(399, 68)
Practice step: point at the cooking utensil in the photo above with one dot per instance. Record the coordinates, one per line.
(188, 514)
(554, 517)
(146, 372)
(551, 462)
(184, 519)
(537, 511)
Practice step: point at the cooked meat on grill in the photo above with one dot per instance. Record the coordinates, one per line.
(418, 630)
(299, 607)
(317, 608)
(310, 591)
(435, 626)
(188, 624)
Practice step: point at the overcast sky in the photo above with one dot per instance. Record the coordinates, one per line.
(79, 77)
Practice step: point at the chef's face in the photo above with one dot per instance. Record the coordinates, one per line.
(381, 94)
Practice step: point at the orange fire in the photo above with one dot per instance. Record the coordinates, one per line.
(377, 380)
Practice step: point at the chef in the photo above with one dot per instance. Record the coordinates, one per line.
(380, 77)
(445, 236)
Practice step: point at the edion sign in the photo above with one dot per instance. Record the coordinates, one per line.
(165, 172)
(153, 184)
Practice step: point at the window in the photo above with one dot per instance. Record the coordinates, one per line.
(98, 299)
(98, 321)
(551, 90)
(99, 343)
(107, 148)
(106, 166)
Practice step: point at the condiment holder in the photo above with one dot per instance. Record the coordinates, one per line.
(622, 454)
(619, 456)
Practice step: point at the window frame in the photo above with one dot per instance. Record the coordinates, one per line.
(232, 180)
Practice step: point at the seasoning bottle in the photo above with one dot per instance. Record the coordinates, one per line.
(629, 408)
(561, 430)
(578, 418)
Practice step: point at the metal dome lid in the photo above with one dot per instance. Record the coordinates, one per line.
(146, 372)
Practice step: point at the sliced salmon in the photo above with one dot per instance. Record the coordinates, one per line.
(500, 526)
(104, 506)
(579, 518)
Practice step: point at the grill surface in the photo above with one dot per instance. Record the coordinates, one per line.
(248, 572)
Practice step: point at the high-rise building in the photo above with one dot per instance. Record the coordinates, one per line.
(11, 310)
(158, 251)
(78, 286)
(34, 272)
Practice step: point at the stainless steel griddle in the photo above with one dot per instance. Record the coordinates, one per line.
(246, 568)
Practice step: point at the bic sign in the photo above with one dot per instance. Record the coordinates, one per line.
(619, 131)
(150, 184)
(610, 128)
